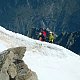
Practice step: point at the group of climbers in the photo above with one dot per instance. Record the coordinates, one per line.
(45, 35)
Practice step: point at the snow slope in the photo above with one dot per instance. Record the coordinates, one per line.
(2, 46)
(49, 61)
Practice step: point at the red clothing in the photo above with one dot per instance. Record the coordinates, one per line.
(44, 33)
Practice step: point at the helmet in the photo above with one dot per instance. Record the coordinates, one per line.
(40, 33)
(50, 32)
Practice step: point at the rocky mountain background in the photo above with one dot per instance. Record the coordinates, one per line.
(70, 40)
(60, 16)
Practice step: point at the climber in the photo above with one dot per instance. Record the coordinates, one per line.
(51, 37)
(41, 37)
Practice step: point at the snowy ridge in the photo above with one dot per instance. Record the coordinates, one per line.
(14, 40)
(49, 61)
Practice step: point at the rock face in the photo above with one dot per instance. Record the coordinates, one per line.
(58, 15)
(12, 67)
(70, 40)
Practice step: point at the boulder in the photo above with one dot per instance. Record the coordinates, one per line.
(12, 67)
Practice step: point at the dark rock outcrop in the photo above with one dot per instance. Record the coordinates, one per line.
(70, 40)
(12, 67)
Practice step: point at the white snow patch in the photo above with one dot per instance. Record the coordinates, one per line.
(49, 61)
